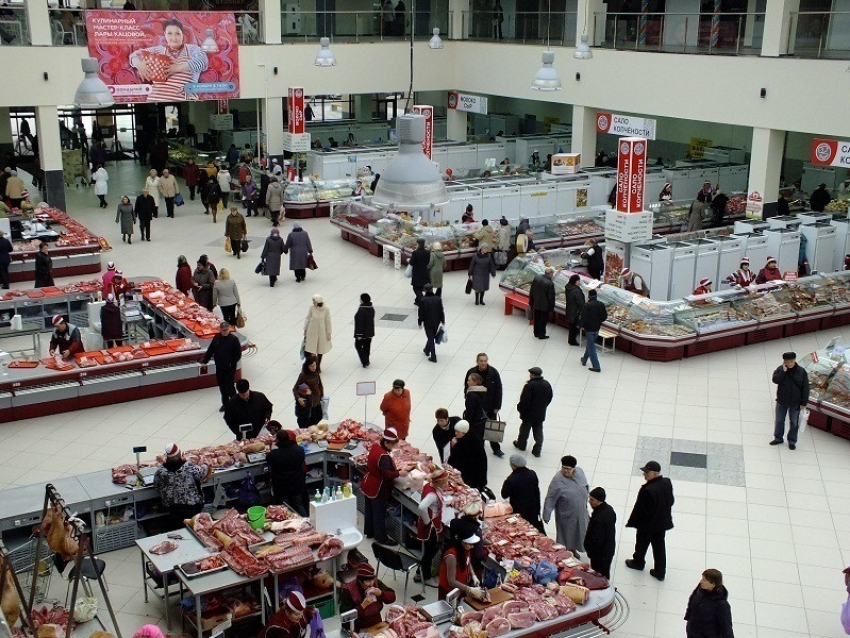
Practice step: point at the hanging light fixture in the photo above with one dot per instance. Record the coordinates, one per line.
(410, 182)
(436, 41)
(583, 51)
(92, 92)
(547, 78)
(209, 44)
(325, 56)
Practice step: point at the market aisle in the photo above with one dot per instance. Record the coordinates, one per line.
(774, 521)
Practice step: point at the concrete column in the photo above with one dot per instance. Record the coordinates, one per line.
(584, 133)
(50, 154)
(458, 17)
(456, 125)
(6, 142)
(777, 26)
(270, 21)
(587, 10)
(765, 168)
(38, 20)
(274, 126)
(363, 105)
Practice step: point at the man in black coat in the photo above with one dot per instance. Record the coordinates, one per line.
(652, 516)
(444, 431)
(491, 380)
(145, 207)
(792, 395)
(419, 269)
(431, 315)
(541, 300)
(468, 456)
(226, 350)
(522, 489)
(820, 198)
(364, 329)
(247, 407)
(535, 398)
(718, 206)
(288, 472)
(593, 313)
(599, 538)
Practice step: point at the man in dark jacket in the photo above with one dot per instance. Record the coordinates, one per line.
(364, 329)
(718, 206)
(535, 398)
(145, 208)
(541, 301)
(288, 472)
(227, 351)
(522, 489)
(652, 516)
(820, 198)
(247, 407)
(592, 315)
(599, 538)
(491, 380)
(419, 269)
(574, 297)
(792, 395)
(431, 315)
(444, 431)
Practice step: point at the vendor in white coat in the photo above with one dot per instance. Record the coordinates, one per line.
(152, 186)
(101, 178)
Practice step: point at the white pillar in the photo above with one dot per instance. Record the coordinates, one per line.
(274, 126)
(456, 125)
(777, 26)
(458, 16)
(584, 133)
(363, 105)
(765, 168)
(50, 154)
(270, 19)
(38, 20)
(587, 10)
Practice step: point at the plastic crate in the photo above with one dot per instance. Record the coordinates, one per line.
(111, 537)
(326, 608)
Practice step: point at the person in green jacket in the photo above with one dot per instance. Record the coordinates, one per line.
(436, 266)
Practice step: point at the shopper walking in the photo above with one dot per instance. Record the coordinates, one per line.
(364, 329)
(274, 199)
(317, 330)
(651, 517)
(574, 304)
(418, 265)
(599, 541)
(15, 189)
(395, 406)
(251, 196)
(567, 499)
(288, 472)
(235, 229)
(169, 189)
(535, 397)
(300, 251)
(152, 186)
(43, 267)
(271, 256)
(593, 314)
(436, 266)
(429, 525)
(226, 351)
(820, 198)
(380, 474)
(482, 268)
(145, 210)
(792, 395)
(183, 280)
(192, 175)
(226, 296)
(468, 456)
(100, 178)
(126, 216)
(211, 197)
(709, 614)
(6, 250)
(308, 392)
(541, 300)
(431, 316)
(492, 381)
(522, 490)
(203, 281)
(223, 179)
(695, 214)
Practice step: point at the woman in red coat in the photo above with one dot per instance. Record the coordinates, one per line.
(192, 174)
(395, 407)
(769, 273)
(184, 275)
(367, 595)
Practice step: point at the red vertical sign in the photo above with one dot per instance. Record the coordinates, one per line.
(222, 107)
(428, 112)
(631, 173)
(295, 110)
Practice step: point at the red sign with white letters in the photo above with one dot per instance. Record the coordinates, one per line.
(428, 112)
(631, 173)
(295, 110)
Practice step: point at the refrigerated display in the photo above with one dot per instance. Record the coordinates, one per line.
(842, 242)
(784, 245)
(754, 247)
(708, 254)
(784, 221)
(743, 226)
(820, 245)
(812, 217)
(730, 251)
(682, 274)
(653, 262)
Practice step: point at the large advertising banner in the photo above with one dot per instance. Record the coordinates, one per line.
(830, 152)
(153, 56)
(295, 110)
(428, 112)
(631, 169)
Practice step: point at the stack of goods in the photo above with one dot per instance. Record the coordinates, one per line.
(837, 206)
(348, 430)
(719, 319)
(840, 289)
(75, 234)
(803, 297)
(511, 537)
(229, 531)
(53, 291)
(406, 622)
(177, 305)
(658, 329)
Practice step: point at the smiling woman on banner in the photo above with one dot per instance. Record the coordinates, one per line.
(170, 67)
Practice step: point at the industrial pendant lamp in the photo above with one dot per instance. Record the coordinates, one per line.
(410, 181)
(325, 56)
(436, 41)
(209, 44)
(547, 78)
(92, 92)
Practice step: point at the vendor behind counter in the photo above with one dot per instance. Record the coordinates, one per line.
(66, 338)
(367, 595)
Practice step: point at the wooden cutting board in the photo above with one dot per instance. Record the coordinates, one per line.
(497, 596)
(376, 628)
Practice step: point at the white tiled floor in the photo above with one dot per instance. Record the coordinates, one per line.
(781, 541)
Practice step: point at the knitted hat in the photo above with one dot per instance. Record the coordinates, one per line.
(745, 260)
(625, 272)
(770, 259)
(110, 297)
(172, 450)
(705, 281)
(58, 319)
(473, 509)
(462, 426)
(223, 325)
(517, 460)
(598, 493)
(365, 570)
(110, 265)
(275, 232)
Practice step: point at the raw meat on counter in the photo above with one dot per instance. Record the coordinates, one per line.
(243, 562)
(166, 547)
(330, 548)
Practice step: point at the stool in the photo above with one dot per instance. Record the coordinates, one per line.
(396, 252)
(607, 338)
(87, 573)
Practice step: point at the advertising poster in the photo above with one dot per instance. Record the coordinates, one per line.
(428, 112)
(150, 56)
(830, 152)
(565, 163)
(625, 125)
(295, 110)
(631, 171)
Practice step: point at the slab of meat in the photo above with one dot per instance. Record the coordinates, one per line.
(544, 611)
(492, 612)
(291, 525)
(164, 547)
(279, 513)
(330, 548)
(124, 474)
(316, 538)
(498, 627)
(242, 561)
(522, 619)
(563, 604)
(289, 558)
(514, 606)
(209, 540)
(471, 616)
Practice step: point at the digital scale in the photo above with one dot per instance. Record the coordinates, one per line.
(256, 457)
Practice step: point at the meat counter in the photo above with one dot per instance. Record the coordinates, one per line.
(829, 382)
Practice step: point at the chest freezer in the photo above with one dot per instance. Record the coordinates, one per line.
(750, 226)
(820, 245)
(682, 272)
(842, 242)
(812, 217)
(784, 245)
(784, 221)
(754, 247)
(730, 251)
(707, 256)
(653, 262)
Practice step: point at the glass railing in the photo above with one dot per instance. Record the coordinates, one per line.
(67, 27)
(360, 26)
(13, 26)
(819, 34)
(521, 26)
(249, 27)
(707, 33)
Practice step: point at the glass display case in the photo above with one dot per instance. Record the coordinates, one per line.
(716, 313)
(574, 227)
(179, 154)
(810, 295)
(766, 302)
(656, 318)
(839, 288)
(617, 301)
(358, 216)
(821, 367)
(431, 234)
(318, 190)
(521, 271)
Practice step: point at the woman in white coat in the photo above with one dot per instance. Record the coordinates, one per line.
(152, 185)
(317, 330)
(223, 178)
(100, 178)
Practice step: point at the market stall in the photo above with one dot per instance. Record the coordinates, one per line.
(829, 382)
(313, 197)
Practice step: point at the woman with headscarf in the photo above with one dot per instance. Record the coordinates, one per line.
(300, 249)
(317, 330)
(308, 392)
(272, 253)
(126, 216)
(183, 281)
(482, 268)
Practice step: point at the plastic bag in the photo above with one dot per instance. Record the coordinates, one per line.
(408, 272)
(227, 246)
(545, 573)
(248, 492)
(85, 609)
(178, 200)
(803, 421)
(241, 319)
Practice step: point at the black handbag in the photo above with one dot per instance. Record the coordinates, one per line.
(261, 267)
(244, 245)
(469, 286)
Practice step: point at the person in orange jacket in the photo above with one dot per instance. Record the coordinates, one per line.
(396, 409)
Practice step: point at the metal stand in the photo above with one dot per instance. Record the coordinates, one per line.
(5, 571)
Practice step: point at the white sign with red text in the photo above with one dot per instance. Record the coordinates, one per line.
(631, 173)
(468, 103)
(626, 125)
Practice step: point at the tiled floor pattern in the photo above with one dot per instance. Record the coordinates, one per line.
(776, 522)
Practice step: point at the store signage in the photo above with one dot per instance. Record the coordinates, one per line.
(221, 122)
(468, 103)
(628, 227)
(631, 172)
(790, 276)
(296, 142)
(755, 202)
(698, 146)
(625, 125)
(428, 142)
(366, 388)
(223, 107)
(830, 152)
(295, 110)
(134, 54)
(565, 163)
